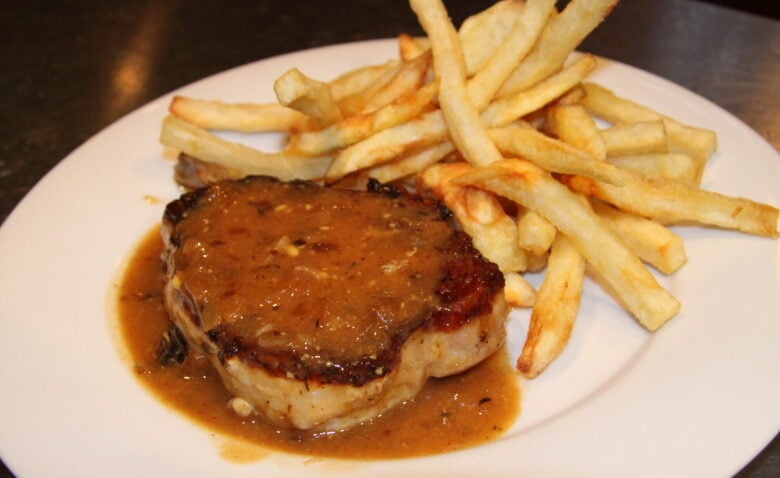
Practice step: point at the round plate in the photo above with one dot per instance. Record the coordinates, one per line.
(699, 397)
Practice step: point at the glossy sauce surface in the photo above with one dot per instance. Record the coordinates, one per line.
(315, 244)
(449, 414)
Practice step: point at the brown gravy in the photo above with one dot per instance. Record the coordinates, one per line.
(448, 414)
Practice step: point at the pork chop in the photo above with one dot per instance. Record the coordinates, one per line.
(320, 307)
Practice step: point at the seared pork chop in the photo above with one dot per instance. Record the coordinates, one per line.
(323, 307)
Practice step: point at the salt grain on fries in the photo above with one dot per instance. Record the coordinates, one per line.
(492, 120)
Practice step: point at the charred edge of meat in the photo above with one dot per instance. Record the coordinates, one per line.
(173, 348)
(286, 363)
(393, 192)
(176, 210)
(298, 183)
(444, 212)
(467, 287)
(374, 186)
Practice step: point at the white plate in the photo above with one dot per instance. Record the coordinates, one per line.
(698, 398)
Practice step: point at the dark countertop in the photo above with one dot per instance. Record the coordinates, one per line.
(62, 66)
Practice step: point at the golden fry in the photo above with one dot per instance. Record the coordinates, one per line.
(237, 158)
(572, 124)
(643, 137)
(311, 97)
(482, 33)
(465, 128)
(509, 108)
(572, 97)
(555, 308)
(515, 45)
(352, 103)
(535, 189)
(411, 164)
(243, 117)
(408, 79)
(676, 202)
(388, 144)
(698, 143)
(659, 167)
(558, 39)
(408, 47)
(650, 241)
(551, 154)
(355, 128)
(517, 290)
(535, 234)
(359, 79)
(480, 214)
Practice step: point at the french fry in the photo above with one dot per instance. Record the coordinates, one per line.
(388, 144)
(572, 97)
(352, 103)
(536, 263)
(650, 241)
(243, 117)
(572, 125)
(408, 79)
(555, 308)
(676, 202)
(237, 158)
(355, 128)
(465, 128)
(509, 108)
(698, 143)
(479, 213)
(357, 80)
(311, 97)
(423, 43)
(408, 47)
(553, 155)
(487, 80)
(534, 188)
(492, 231)
(558, 39)
(643, 137)
(483, 32)
(392, 142)
(535, 234)
(411, 164)
(659, 167)
(517, 290)
(434, 178)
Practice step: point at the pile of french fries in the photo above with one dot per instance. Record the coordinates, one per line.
(498, 120)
